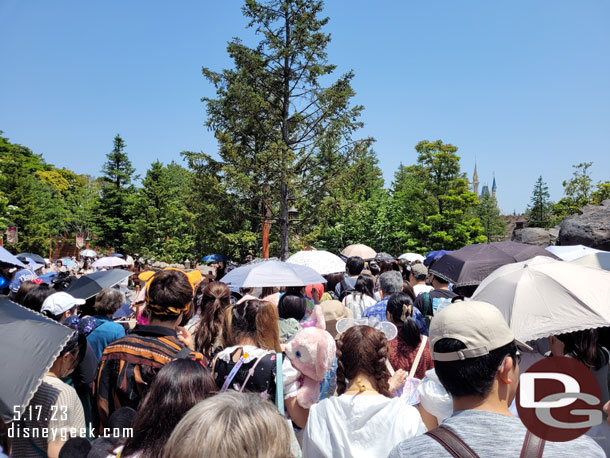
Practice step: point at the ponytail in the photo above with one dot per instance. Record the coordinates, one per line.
(400, 307)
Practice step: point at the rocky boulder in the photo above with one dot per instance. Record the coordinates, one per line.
(591, 228)
(535, 236)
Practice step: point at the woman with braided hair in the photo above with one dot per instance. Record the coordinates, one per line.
(363, 420)
(403, 349)
(212, 300)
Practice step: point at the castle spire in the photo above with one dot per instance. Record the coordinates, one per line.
(475, 179)
(494, 187)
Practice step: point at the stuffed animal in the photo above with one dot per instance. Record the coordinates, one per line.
(312, 352)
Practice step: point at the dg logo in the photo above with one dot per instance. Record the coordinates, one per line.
(559, 399)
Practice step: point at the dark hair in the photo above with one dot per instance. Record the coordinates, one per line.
(354, 265)
(333, 280)
(34, 299)
(440, 280)
(385, 266)
(5, 441)
(400, 307)
(471, 376)
(168, 288)
(374, 268)
(584, 347)
(408, 289)
(365, 285)
(363, 349)
(122, 418)
(292, 306)
(213, 299)
(75, 447)
(178, 386)
(23, 291)
(257, 320)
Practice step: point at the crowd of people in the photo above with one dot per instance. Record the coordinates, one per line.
(372, 363)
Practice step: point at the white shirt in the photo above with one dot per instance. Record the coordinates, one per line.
(357, 304)
(363, 425)
(421, 288)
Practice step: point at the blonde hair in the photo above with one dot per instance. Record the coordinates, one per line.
(230, 424)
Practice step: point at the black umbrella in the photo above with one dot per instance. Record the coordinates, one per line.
(89, 285)
(384, 257)
(30, 344)
(34, 257)
(471, 264)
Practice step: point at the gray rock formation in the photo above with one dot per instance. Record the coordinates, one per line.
(591, 228)
(535, 236)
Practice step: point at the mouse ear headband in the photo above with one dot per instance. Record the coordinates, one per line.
(386, 327)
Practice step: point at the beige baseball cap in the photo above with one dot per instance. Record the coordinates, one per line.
(478, 325)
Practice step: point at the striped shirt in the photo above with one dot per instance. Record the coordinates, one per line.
(54, 413)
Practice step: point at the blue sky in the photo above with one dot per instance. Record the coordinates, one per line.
(523, 86)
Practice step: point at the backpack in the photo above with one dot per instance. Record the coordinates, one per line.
(345, 289)
(433, 305)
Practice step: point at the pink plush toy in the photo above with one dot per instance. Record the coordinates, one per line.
(312, 352)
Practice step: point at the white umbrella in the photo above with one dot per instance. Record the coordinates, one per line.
(572, 252)
(87, 253)
(272, 273)
(599, 260)
(129, 260)
(364, 251)
(542, 297)
(109, 261)
(412, 257)
(321, 261)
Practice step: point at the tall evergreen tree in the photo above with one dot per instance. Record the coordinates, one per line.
(117, 197)
(539, 211)
(434, 208)
(164, 225)
(275, 121)
(494, 225)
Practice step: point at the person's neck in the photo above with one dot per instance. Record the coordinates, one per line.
(246, 341)
(491, 403)
(164, 324)
(444, 286)
(362, 380)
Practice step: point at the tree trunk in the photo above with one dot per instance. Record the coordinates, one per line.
(284, 229)
(266, 228)
(284, 232)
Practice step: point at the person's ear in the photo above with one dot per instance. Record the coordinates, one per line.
(505, 373)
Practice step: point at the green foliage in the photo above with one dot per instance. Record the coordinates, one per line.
(164, 226)
(577, 192)
(117, 202)
(539, 211)
(601, 193)
(494, 224)
(432, 206)
(282, 134)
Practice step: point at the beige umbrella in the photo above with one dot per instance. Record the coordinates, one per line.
(542, 297)
(599, 260)
(364, 251)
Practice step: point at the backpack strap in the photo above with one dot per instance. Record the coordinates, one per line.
(533, 446)
(420, 351)
(279, 383)
(428, 309)
(456, 447)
